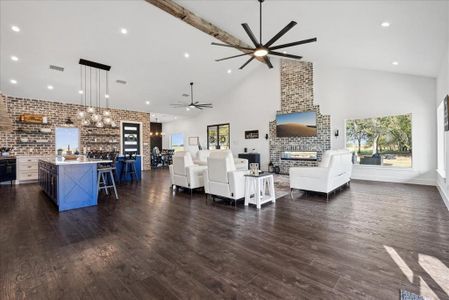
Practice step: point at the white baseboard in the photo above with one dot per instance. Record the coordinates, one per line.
(396, 180)
(444, 195)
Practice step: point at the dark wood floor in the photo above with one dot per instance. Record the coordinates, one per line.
(153, 244)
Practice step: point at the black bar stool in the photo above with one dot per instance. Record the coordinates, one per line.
(105, 175)
(129, 167)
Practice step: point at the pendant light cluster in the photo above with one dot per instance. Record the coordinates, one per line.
(92, 92)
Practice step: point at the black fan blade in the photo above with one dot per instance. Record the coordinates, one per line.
(221, 59)
(284, 55)
(205, 105)
(293, 44)
(280, 34)
(230, 46)
(249, 60)
(251, 34)
(268, 62)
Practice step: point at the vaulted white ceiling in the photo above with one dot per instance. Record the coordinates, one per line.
(150, 57)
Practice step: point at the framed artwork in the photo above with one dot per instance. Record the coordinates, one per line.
(193, 140)
(251, 134)
(446, 113)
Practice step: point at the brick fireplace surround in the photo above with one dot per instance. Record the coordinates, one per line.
(297, 96)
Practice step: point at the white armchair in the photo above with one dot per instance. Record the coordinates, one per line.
(184, 173)
(202, 155)
(222, 178)
(333, 171)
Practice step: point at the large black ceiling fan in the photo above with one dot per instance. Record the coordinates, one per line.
(192, 104)
(262, 50)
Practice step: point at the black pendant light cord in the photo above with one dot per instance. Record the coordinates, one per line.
(191, 92)
(85, 86)
(260, 32)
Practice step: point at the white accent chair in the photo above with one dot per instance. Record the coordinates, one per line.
(334, 171)
(222, 179)
(202, 155)
(184, 173)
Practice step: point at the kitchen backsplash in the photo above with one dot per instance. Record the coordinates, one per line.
(57, 113)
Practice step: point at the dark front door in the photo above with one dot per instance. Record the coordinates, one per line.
(131, 138)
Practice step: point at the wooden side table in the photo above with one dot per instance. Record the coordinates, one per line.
(256, 188)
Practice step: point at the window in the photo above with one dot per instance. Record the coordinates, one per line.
(177, 141)
(440, 140)
(218, 136)
(67, 138)
(383, 141)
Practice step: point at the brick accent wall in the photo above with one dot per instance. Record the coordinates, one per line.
(57, 113)
(297, 96)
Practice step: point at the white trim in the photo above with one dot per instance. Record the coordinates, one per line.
(140, 137)
(395, 179)
(444, 195)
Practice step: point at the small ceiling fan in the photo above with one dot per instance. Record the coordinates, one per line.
(192, 104)
(262, 50)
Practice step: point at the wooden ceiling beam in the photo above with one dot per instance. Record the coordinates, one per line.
(205, 26)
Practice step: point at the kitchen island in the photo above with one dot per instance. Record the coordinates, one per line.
(70, 184)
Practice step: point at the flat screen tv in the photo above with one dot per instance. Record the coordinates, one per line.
(299, 124)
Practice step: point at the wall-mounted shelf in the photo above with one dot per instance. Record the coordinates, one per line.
(102, 143)
(93, 126)
(30, 123)
(100, 134)
(18, 131)
(34, 143)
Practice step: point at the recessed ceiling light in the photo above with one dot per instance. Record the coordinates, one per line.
(106, 96)
(13, 81)
(285, 52)
(147, 102)
(229, 71)
(395, 63)
(187, 108)
(50, 87)
(186, 55)
(124, 30)
(175, 117)
(15, 28)
(14, 58)
(385, 24)
(80, 92)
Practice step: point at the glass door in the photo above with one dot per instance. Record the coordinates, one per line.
(131, 138)
(218, 136)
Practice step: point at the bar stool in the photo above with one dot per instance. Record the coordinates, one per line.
(129, 167)
(105, 175)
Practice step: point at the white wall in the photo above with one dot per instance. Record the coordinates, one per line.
(250, 106)
(342, 93)
(354, 93)
(441, 91)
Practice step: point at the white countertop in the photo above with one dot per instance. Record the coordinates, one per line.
(79, 161)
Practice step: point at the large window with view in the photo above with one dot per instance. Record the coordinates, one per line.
(383, 141)
(177, 141)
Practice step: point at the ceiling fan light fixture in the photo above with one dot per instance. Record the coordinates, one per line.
(261, 52)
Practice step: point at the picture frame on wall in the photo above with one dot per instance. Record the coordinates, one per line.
(193, 140)
(251, 134)
(446, 113)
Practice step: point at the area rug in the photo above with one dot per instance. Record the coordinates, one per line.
(406, 295)
(281, 185)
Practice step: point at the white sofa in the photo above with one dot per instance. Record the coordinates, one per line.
(221, 178)
(333, 171)
(184, 173)
(202, 155)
